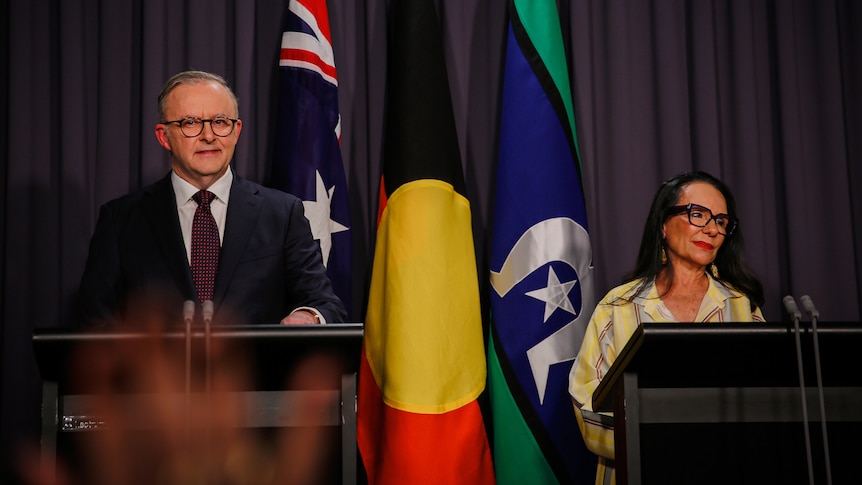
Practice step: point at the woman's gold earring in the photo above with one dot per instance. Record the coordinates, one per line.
(714, 270)
(663, 257)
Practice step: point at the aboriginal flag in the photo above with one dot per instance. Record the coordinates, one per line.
(423, 365)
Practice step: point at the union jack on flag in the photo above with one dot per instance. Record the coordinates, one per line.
(307, 159)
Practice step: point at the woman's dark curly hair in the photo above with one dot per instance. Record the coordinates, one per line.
(729, 260)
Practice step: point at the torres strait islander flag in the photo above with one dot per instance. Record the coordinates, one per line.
(541, 262)
(308, 160)
(423, 364)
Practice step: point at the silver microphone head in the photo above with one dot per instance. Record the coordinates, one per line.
(792, 309)
(808, 305)
(208, 310)
(188, 310)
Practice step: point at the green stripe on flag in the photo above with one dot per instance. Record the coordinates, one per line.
(518, 460)
(541, 21)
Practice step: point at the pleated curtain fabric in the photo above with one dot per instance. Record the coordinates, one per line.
(205, 246)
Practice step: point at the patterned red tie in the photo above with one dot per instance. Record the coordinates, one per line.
(205, 246)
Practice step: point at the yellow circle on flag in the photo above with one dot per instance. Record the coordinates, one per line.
(423, 329)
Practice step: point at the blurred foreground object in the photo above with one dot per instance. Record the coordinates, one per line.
(260, 405)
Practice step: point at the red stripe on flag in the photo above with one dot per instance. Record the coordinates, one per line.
(430, 446)
(307, 56)
(318, 9)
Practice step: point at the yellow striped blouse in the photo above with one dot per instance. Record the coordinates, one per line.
(610, 327)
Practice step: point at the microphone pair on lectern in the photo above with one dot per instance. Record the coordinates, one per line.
(807, 304)
(207, 311)
(796, 316)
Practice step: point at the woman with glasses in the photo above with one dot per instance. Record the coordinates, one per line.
(689, 268)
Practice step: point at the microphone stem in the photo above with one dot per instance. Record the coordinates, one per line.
(208, 317)
(815, 316)
(793, 310)
(188, 316)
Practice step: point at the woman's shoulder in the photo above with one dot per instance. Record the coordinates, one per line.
(625, 292)
(737, 304)
(725, 288)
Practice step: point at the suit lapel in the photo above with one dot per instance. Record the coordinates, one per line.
(242, 214)
(161, 210)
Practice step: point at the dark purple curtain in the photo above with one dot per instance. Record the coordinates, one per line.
(763, 94)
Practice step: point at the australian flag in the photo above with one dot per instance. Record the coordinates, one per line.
(308, 160)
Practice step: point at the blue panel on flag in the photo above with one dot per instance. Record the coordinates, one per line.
(543, 295)
(307, 160)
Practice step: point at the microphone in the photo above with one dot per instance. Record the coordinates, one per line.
(808, 305)
(188, 311)
(188, 317)
(793, 311)
(208, 310)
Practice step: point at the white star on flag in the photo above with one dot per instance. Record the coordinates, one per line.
(318, 214)
(555, 294)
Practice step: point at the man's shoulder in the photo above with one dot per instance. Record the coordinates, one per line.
(137, 196)
(268, 193)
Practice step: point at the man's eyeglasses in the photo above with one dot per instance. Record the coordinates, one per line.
(192, 126)
(700, 216)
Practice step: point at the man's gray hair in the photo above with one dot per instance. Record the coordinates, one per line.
(191, 77)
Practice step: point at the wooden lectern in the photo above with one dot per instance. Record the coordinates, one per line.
(271, 351)
(722, 403)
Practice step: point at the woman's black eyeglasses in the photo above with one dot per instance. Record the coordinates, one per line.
(700, 216)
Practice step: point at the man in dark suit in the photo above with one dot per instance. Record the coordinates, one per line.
(268, 268)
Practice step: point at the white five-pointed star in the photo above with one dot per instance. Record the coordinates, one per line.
(555, 294)
(318, 214)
